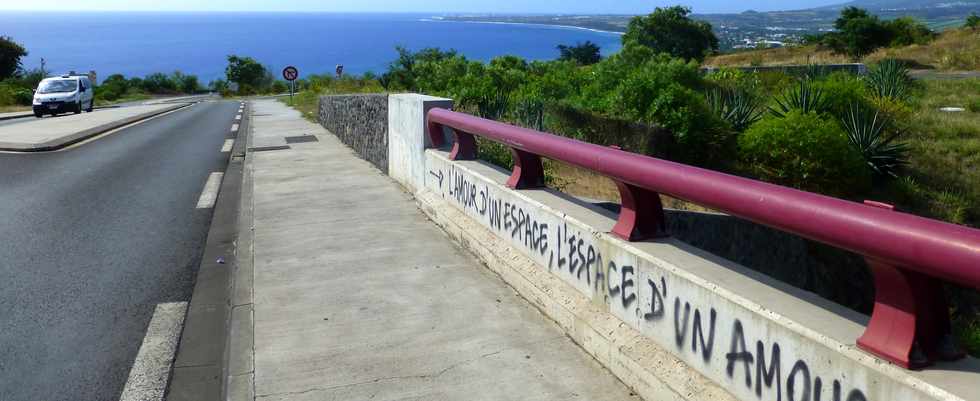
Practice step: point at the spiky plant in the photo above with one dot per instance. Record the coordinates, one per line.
(492, 107)
(872, 135)
(529, 112)
(806, 97)
(891, 79)
(740, 107)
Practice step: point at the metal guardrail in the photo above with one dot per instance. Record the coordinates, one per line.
(909, 255)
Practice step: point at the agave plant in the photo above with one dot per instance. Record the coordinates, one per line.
(806, 97)
(869, 132)
(492, 107)
(891, 79)
(529, 112)
(740, 107)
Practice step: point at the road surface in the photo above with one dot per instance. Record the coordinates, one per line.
(93, 238)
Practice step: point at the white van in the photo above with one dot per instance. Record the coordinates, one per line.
(67, 93)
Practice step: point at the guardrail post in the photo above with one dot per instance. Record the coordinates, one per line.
(528, 171)
(465, 146)
(910, 323)
(641, 214)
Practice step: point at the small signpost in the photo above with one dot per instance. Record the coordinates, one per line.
(290, 74)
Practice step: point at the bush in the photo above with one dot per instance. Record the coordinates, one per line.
(890, 79)
(738, 106)
(582, 53)
(805, 151)
(973, 21)
(670, 30)
(842, 90)
(874, 137)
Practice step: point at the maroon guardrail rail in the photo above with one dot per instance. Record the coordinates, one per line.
(908, 255)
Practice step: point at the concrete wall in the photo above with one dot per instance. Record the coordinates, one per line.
(672, 321)
(408, 138)
(361, 122)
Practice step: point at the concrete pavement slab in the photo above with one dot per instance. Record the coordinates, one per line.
(54, 132)
(358, 296)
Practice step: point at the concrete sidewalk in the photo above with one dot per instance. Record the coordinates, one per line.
(51, 133)
(358, 296)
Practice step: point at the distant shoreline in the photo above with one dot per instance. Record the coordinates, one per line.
(438, 19)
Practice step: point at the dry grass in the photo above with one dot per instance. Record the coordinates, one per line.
(800, 55)
(584, 183)
(11, 109)
(953, 50)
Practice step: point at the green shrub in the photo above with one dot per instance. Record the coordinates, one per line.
(890, 79)
(841, 90)
(805, 151)
(974, 106)
(872, 135)
(738, 106)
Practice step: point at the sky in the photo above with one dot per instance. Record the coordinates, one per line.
(425, 6)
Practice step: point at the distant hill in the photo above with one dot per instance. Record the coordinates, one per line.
(749, 29)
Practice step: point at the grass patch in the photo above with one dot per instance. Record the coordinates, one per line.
(953, 50)
(12, 109)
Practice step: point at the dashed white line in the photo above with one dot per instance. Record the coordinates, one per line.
(210, 192)
(227, 146)
(234, 127)
(151, 371)
(238, 117)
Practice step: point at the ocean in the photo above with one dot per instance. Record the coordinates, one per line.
(136, 44)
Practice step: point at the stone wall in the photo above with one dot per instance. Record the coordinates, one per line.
(361, 122)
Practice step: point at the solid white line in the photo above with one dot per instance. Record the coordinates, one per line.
(227, 146)
(151, 371)
(234, 127)
(210, 192)
(238, 117)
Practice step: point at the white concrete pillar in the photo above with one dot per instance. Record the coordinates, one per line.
(407, 137)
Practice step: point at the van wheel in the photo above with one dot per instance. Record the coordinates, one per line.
(78, 107)
(38, 114)
(91, 105)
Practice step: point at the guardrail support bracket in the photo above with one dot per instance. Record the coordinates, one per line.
(528, 171)
(910, 323)
(641, 215)
(465, 146)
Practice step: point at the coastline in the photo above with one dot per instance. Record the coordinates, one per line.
(439, 19)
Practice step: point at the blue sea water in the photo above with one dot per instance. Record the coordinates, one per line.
(136, 44)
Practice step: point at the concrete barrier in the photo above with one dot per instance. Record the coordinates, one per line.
(672, 321)
(853, 68)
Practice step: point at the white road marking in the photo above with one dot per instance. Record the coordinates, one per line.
(151, 371)
(234, 127)
(210, 193)
(227, 146)
(238, 117)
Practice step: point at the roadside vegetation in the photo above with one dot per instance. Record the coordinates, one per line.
(17, 84)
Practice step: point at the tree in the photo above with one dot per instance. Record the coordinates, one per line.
(907, 31)
(973, 21)
(670, 30)
(245, 71)
(582, 53)
(10, 54)
(401, 72)
(858, 33)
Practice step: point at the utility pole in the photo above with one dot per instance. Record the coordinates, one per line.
(44, 73)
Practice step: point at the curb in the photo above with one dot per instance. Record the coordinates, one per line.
(199, 369)
(86, 134)
(16, 116)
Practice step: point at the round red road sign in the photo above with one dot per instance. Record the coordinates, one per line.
(290, 73)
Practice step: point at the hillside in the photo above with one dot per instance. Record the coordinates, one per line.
(953, 50)
(749, 28)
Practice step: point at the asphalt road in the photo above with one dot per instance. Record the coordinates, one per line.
(92, 238)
